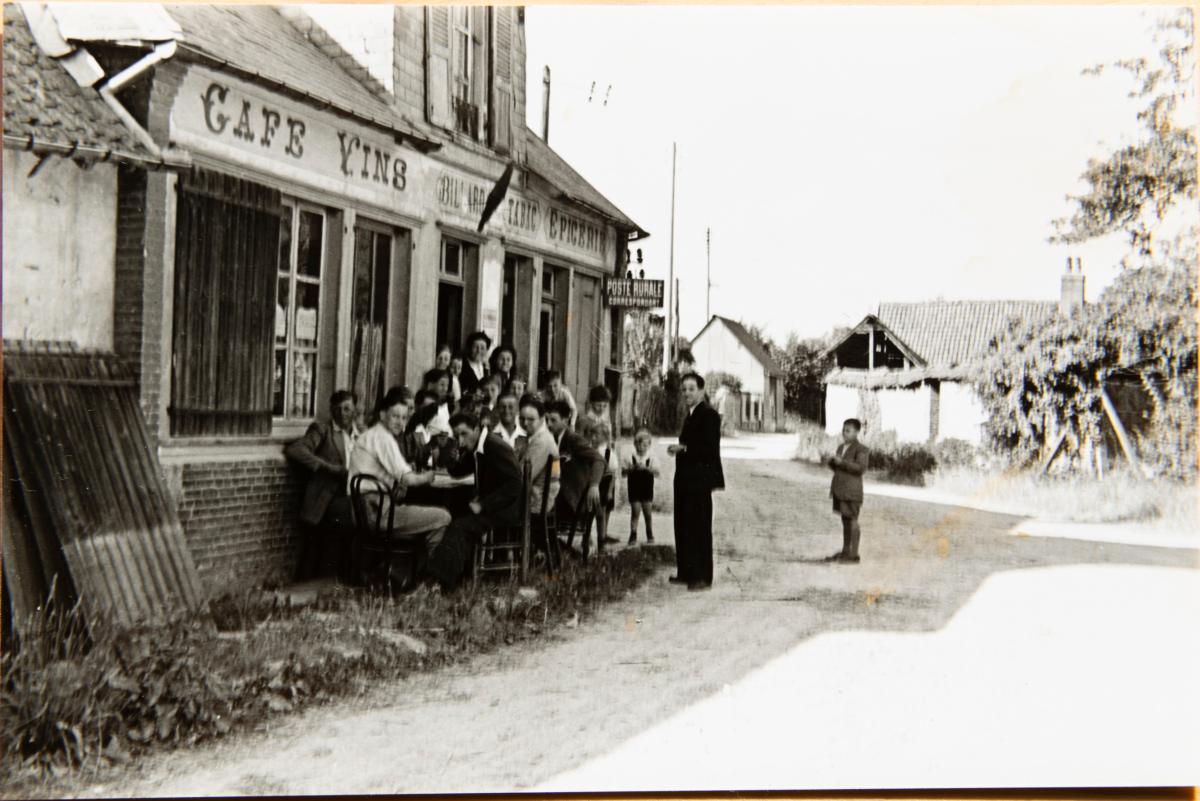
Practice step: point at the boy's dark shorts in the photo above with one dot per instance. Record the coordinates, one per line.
(848, 509)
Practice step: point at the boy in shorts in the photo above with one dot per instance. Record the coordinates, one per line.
(848, 465)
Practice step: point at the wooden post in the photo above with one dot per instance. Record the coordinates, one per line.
(871, 347)
(1123, 437)
(1058, 444)
(527, 479)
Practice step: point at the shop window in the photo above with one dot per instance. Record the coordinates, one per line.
(457, 259)
(227, 240)
(372, 288)
(298, 312)
(452, 259)
(549, 279)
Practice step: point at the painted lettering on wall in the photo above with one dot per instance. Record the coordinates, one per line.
(461, 195)
(570, 230)
(523, 214)
(281, 133)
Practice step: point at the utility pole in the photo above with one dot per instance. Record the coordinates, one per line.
(675, 339)
(708, 275)
(546, 105)
(668, 342)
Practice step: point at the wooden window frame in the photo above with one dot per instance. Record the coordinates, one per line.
(443, 274)
(297, 208)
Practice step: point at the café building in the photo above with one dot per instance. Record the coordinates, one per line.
(327, 234)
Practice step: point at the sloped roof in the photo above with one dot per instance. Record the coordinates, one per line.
(44, 106)
(748, 341)
(542, 159)
(956, 332)
(262, 42)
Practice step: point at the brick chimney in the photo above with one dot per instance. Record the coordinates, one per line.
(1072, 287)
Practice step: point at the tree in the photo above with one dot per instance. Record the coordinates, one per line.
(1043, 375)
(643, 345)
(1134, 188)
(805, 365)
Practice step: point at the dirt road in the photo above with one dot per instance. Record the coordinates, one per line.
(519, 718)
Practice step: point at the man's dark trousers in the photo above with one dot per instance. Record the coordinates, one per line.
(693, 535)
(698, 473)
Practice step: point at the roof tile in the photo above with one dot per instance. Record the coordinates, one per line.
(542, 160)
(955, 333)
(43, 101)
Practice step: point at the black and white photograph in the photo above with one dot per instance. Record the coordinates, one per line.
(549, 399)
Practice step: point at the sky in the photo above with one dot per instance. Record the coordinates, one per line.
(842, 155)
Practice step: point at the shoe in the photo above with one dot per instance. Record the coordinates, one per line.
(697, 586)
(850, 560)
(677, 580)
(632, 541)
(649, 540)
(610, 540)
(837, 557)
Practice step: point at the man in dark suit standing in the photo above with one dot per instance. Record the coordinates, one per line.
(325, 451)
(698, 473)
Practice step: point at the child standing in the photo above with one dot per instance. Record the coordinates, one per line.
(640, 469)
(600, 434)
(848, 465)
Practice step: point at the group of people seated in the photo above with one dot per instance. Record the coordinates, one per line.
(450, 456)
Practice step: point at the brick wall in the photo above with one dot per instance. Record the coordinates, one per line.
(240, 518)
(408, 61)
(141, 261)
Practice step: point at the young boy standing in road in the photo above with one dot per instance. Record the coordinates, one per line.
(848, 465)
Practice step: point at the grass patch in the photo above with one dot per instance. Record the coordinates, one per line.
(78, 701)
(1121, 497)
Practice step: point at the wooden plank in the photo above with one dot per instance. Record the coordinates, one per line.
(1126, 442)
(1049, 460)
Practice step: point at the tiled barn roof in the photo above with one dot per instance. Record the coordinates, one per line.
(954, 333)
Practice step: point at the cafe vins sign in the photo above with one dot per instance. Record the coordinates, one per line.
(636, 293)
(280, 135)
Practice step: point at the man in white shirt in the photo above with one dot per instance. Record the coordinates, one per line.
(508, 427)
(378, 453)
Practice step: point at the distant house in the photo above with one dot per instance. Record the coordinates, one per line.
(908, 368)
(725, 346)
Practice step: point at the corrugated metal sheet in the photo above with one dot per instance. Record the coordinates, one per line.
(84, 489)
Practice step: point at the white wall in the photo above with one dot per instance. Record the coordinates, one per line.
(961, 413)
(905, 411)
(840, 403)
(59, 246)
(718, 350)
(364, 31)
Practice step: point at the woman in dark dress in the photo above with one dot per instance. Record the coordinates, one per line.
(504, 364)
(475, 362)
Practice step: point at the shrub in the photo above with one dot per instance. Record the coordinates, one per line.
(717, 379)
(812, 443)
(71, 700)
(907, 464)
(957, 453)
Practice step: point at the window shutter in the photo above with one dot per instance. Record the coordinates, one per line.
(226, 247)
(502, 100)
(479, 62)
(437, 66)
